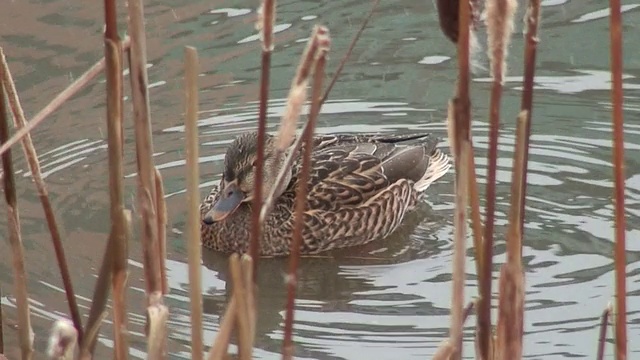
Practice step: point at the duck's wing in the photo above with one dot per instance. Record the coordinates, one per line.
(350, 174)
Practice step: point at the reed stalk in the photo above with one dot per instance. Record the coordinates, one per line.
(511, 296)
(602, 338)
(193, 196)
(265, 27)
(101, 292)
(15, 241)
(445, 351)
(514, 241)
(34, 166)
(322, 37)
(120, 232)
(240, 311)
(296, 98)
(242, 317)
(510, 312)
(615, 32)
(220, 347)
(448, 13)
(119, 286)
(499, 21)
(346, 56)
(297, 95)
(250, 292)
(459, 134)
(103, 284)
(144, 149)
(532, 20)
(459, 244)
(60, 99)
(161, 207)
(157, 315)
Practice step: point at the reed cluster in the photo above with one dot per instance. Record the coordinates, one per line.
(72, 339)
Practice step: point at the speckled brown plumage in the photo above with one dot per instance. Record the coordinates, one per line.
(361, 187)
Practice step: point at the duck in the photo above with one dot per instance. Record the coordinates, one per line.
(360, 188)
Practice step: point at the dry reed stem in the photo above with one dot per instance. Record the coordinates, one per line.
(34, 166)
(510, 312)
(250, 292)
(346, 56)
(265, 24)
(459, 110)
(161, 207)
(119, 285)
(157, 315)
(474, 199)
(242, 317)
(467, 310)
(445, 350)
(476, 216)
(102, 286)
(62, 341)
(532, 19)
(219, 350)
(120, 218)
(91, 336)
(461, 201)
(193, 196)
(615, 31)
(144, 149)
(296, 96)
(110, 20)
(499, 21)
(514, 241)
(602, 338)
(15, 241)
(323, 39)
(511, 296)
(99, 300)
(60, 99)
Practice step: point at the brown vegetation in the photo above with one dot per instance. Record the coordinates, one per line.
(241, 313)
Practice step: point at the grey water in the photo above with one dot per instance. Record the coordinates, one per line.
(386, 300)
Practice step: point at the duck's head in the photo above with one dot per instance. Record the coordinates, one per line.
(239, 175)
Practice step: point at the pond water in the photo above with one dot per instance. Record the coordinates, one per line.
(389, 299)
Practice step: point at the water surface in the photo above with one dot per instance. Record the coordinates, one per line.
(386, 300)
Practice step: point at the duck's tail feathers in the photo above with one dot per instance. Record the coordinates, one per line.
(439, 164)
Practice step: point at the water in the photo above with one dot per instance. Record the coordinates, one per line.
(386, 300)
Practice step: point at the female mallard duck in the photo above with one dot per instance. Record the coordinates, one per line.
(360, 188)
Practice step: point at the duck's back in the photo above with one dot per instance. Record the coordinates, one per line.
(347, 170)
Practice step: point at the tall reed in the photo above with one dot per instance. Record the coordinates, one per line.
(265, 27)
(615, 32)
(193, 197)
(34, 166)
(25, 332)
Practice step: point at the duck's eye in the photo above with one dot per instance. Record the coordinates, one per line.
(254, 163)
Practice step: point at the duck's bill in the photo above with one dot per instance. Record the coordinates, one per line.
(228, 202)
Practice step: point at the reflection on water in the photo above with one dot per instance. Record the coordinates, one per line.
(384, 300)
